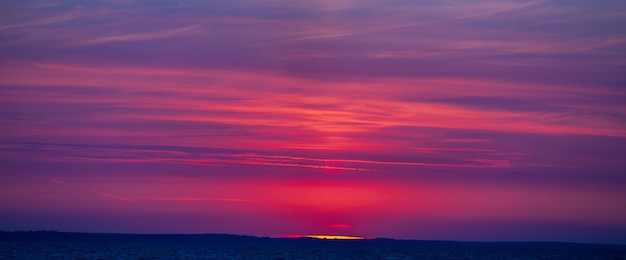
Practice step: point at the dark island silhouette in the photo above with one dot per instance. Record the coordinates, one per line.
(52, 244)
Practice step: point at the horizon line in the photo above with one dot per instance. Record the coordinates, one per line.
(318, 237)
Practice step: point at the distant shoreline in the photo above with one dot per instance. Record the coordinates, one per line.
(51, 235)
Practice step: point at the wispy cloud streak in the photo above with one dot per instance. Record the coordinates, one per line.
(195, 199)
(109, 195)
(130, 37)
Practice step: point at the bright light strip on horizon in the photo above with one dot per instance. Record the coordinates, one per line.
(342, 237)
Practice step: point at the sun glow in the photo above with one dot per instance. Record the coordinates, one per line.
(326, 237)
(329, 196)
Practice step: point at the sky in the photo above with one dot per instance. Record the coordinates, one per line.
(447, 120)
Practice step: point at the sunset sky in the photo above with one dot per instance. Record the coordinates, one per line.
(447, 120)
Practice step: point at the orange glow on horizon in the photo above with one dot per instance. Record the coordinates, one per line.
(337, 237)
